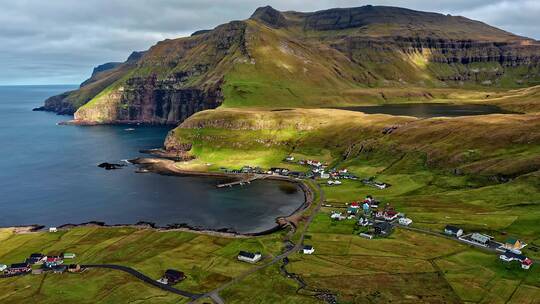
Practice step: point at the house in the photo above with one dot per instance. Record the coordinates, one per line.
(308, 249)
(480, 239)
(74, 268)
(67, 255)
(509, 256)
(59, 268)
(404, 221)
(390, 215)
(173, 276)
(453, 230)
(53, 229)
(363, 222)
(337, 216)
(380, 185)
(526, 264)
(289, 158)
(365, 207)
(513, 244)
(352, 211)
(36, 258)
(249, 256)
(325, 175)
(3, 267)
(382, 228)
(52, 261)
(19, 268)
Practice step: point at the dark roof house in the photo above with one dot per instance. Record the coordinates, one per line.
(174, 276)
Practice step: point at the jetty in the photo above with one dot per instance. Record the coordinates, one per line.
(242, 181)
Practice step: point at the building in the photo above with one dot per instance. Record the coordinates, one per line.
(3, 267)
(53, 229)
(513, 244)
(74, 268)
(308, 249)
(480, 239)
(36, 258)
(526, 264)
(68, 255)
(249, 256)
(59, 268)
(382, 228)
(173, 276)
(405, 221)
(19, 268)
(380, 185)
(53, 261)
(453, 230)
(390, 215)
(289, 158)
(509, 256)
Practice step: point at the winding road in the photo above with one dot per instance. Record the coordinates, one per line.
(214, 294)
(145, 279)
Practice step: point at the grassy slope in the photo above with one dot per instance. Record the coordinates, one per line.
(417, 159)
(206, 260)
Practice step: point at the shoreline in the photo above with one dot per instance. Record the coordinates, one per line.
(167, 167)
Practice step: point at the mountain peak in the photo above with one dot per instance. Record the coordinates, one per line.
(269, 16)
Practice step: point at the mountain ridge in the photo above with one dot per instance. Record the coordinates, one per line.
(308, 60)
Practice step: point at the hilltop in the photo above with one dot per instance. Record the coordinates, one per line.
(319, 59)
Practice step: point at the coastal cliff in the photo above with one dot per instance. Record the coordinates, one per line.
(293, 59)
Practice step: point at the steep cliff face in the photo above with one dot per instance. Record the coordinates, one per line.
(325, 58)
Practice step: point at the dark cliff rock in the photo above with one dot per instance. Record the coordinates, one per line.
(58, 104)
(163, 101)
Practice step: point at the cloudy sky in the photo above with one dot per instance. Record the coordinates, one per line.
(60, 41)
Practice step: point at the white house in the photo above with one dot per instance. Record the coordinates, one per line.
(53, 229)
(289, 158)
(453, 230)
(249, 256)
(308, 249)
(3, 267)
(405, 221)
(380, 185)
(325, 175)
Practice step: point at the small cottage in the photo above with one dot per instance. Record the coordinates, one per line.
(36, 258)
(382, 228)
(513, 244)
(174, 276)
(3, 267)
(53, 229)
(453, 230)
(308, 249)
(19, 268)
(74, 268)
(249, 256)
(59, 268)
(526, 264)
(68, 255)
(404, 221)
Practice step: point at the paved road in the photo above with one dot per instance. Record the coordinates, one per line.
(215, 293)
(145, 279)
(426, 231)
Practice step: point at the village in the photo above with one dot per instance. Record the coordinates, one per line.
(317, 170)
(373, 221)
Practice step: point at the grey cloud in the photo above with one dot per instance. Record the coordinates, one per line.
(59, 41)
